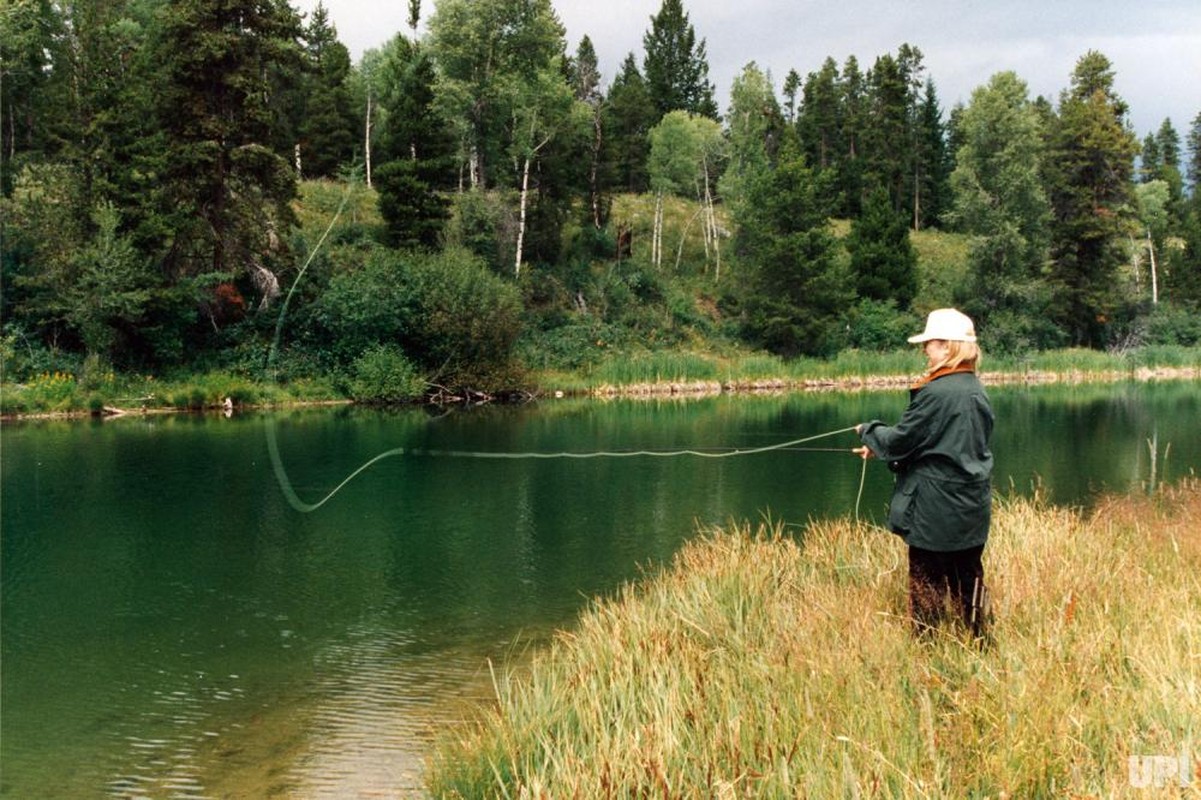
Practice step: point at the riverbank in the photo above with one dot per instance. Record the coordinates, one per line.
(760, 666)
(651, 375)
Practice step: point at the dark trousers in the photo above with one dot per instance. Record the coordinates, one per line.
(947, 585)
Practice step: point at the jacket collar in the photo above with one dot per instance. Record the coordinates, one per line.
(933, 376)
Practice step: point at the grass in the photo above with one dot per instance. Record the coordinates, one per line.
(738, 367)
(68, 393)
(90, 390)
(759, 666)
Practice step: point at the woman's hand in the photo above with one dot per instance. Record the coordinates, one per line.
(864, 452)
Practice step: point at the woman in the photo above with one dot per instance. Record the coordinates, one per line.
(941, 505)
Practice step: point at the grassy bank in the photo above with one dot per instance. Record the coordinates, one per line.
(762, 667)
(91, 390)
(640, 373)
(94, 392)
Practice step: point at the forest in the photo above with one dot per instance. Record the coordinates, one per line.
(469, 205)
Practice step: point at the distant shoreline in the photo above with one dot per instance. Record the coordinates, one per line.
(880, 382)
(680, 389)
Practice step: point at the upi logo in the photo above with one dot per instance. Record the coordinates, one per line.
(1158, 771)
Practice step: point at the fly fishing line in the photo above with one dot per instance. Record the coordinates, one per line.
(304, 507)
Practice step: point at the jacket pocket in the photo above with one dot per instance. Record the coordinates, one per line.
(903, 505)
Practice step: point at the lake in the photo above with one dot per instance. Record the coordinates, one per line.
(173, 627)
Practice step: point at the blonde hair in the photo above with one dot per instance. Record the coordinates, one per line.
(959, 354)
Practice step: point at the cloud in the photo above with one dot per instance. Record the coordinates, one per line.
(1155, 47)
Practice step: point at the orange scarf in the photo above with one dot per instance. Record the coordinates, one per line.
(941, 372)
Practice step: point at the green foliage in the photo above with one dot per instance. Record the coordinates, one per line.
(656, 368)
(1091, 165)
(684, 147)
(449, 315)
(883, 262)
(113, 288)
(327, 127)
(676, 65)
(879, 325)
(483, 223)
(416, 147)
(626, 125)
(486, 50)
(224, 191)
(1171, 325)
(1000, 201)
(384, 375)
(150, 211)
(797, 291)
(942, 268)
(755, 128)
(413, 212)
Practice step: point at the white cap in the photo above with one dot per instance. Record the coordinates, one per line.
(948, 324)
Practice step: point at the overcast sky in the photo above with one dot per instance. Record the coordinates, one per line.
(1154, 45)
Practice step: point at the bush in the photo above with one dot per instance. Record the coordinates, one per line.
(1171, 325)
(384, 375)
(878, 325)
(449, 315)
(575, 345)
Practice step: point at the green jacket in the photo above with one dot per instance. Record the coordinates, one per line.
(939, 451)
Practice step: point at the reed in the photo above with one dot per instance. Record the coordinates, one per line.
(760, 666)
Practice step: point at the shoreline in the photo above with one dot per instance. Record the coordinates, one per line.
(678, 389)
(881, 382)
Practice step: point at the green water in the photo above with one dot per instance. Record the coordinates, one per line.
(172, 627)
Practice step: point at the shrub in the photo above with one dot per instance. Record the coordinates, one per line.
(384, 375)
(878, 325)
(448, 314)
(1171, 325)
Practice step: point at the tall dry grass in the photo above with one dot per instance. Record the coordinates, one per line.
(759, 666)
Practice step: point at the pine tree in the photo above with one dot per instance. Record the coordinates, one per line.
(883, 261)
(931, 163)
(585, 81)
(327, 128)
(675, 65)
(1092, 166)
(887, 133)
(416, 149)
(1169, 144)
(226, 191)
(628, 119)
(854, 136)
(820, 117)
(792, 85)
(795, 292)
(1150, 161)
(1193, 165)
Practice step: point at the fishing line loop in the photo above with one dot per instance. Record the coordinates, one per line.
(300, 505)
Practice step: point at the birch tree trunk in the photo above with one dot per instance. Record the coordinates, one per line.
(367, 139)
(1154, 276)
(593, 184)
(657, 232)
(525, 189)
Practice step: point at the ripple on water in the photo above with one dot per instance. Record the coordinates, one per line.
(381, 700)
